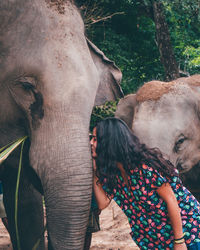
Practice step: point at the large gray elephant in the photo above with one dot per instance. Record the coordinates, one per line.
(49, 78)
(166, 115)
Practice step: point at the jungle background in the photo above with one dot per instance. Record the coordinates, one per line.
(147, 39)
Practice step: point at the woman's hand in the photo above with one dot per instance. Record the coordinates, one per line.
(180, 246)
(101, 198)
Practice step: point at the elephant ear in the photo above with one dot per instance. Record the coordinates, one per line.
(126, 109)
(29, 100)
(109, 76)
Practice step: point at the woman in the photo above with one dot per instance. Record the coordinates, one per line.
(161, 212)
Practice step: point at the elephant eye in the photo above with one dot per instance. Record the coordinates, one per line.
(179, 142)
(28, 83)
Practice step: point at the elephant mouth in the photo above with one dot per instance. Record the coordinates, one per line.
(182, 168)
(195, 172)
(191, 178)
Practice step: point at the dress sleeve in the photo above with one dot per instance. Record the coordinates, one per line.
(151, 177)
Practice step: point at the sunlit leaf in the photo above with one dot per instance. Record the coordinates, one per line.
(6, 151)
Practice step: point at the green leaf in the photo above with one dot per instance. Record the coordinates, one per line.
(6, 152)
(22, 140)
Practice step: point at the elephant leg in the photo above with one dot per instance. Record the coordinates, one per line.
(30, 211)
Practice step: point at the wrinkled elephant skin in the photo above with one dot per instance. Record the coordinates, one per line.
(49, 77)
(166, 115)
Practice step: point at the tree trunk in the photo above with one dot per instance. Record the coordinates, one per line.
(164, 43)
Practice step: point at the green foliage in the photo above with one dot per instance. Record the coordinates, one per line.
(129, 39)
(192, 59)
(130, 51)
(8, 149)
(101, 112)
(184, 23)
(4, 153)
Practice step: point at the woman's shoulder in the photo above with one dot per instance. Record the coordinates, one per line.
(143, 170)
(142, 167)
(147, 171)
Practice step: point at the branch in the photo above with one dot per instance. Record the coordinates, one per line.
(185, 73)
(105, 18)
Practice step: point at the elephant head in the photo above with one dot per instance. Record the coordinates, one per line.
(50, 79)
(166, 115)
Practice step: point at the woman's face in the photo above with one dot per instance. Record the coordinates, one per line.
(93, 143)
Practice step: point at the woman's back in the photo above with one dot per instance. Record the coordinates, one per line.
(147, 212)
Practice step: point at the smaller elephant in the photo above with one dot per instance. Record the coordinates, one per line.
(166, 115)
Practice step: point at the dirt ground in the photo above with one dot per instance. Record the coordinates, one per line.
(114, 234)
(4, 238)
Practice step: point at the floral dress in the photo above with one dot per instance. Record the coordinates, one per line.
(147, 212)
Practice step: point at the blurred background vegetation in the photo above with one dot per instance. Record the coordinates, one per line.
(147, 39)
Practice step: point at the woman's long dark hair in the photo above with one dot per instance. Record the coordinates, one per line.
(117, 143)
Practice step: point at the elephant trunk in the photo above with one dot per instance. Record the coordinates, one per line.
(60, 154)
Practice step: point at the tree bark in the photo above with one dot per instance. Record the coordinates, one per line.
(164, 42)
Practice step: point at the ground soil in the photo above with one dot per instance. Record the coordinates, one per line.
(114, 234)
(4, 238)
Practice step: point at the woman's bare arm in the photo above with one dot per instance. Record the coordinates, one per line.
(102, 199)
(167, 194)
